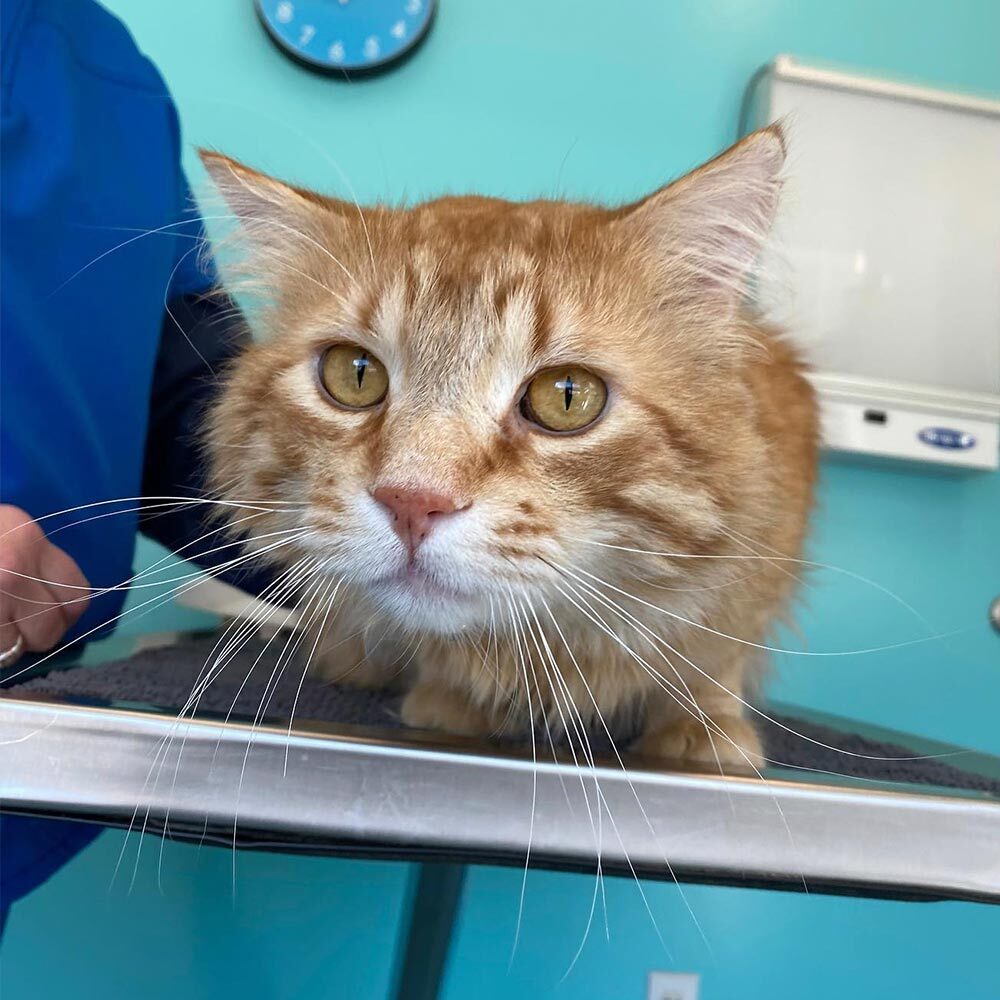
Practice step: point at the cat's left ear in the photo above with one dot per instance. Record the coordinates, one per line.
(709, 227)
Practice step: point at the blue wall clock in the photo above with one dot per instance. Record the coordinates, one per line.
(350, 37)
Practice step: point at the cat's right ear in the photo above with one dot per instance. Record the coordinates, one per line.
(269, 237)
(268, 212)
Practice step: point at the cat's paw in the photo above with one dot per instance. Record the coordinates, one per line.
(356, 671)
(436, 706)
(687, 741)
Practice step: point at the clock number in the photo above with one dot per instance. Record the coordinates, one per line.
(307, 30)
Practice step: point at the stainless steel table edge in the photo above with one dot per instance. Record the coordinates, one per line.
(328, 788)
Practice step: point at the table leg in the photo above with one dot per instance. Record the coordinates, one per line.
(428, 930)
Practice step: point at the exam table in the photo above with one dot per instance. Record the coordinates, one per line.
(849, 809)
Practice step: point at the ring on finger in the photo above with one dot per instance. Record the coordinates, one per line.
(10, 656)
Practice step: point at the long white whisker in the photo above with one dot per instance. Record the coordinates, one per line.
(664, 684)
(766, 648)
(781, 558)
(553, 678)
(130, 584)
(752, 708)
(160, 500)
(701, 716)
(521, 638)
(279, 590)
(305, 669)
(275, 677)
(625, 770)
(581, 731)
(746, 542)
(534, 790)
(194, 699)
(309, 568)
(166, 307)
(166, 741)
(204, 218)
(635, 876)
(162, 599)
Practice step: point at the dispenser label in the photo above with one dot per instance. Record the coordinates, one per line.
(946, 437)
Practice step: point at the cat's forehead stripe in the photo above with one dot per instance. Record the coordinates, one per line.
(503, 322)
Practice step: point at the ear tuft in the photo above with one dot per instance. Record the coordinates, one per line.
(266, 232)
(249, 193)
(709, 227)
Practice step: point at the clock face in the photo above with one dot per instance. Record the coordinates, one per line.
(346, 36)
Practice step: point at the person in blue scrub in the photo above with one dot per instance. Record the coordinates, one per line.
(111, 341)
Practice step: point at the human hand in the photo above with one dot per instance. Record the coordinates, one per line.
(42, 591)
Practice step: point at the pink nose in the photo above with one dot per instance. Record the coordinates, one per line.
(414, 512)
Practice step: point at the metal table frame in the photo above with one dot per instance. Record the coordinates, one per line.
(401, 794)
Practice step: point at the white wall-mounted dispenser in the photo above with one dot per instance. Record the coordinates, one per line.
(886, 261)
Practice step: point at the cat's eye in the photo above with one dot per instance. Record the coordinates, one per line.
(353, 377)
(564, 399)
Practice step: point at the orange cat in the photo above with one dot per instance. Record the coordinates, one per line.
(542, 445)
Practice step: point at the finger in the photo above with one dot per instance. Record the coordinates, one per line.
(8, 635)
(9, 632)
(38, 617)
(65, 580)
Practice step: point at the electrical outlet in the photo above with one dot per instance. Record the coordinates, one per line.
(672, 986)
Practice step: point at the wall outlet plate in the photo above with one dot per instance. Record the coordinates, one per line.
(672, 986)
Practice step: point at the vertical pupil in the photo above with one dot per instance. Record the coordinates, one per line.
(360, 367)
(567, 387)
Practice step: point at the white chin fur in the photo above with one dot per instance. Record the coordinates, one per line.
(437, 614)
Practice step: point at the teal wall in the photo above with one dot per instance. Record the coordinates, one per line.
(297, 927)
(530, 97)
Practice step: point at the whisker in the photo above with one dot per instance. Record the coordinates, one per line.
(243, 630)
(746, 541)
(585, 748)
(667, 686)
(807, 563)
(553, 678)
(167, 739)
(625, 771)
(274, 679)
(166, 306)
(305, 669)
(773, 649)
(162, 599)
(226, 216)
(130, 584)
(534, 794)
(308, 569)
(752, 708)
(521, 638)
(698, 590)
(246, 505)
(246, 629)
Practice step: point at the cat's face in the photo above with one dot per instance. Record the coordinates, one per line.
(471, 400)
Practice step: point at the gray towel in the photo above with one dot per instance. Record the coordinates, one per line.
(164, 678)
